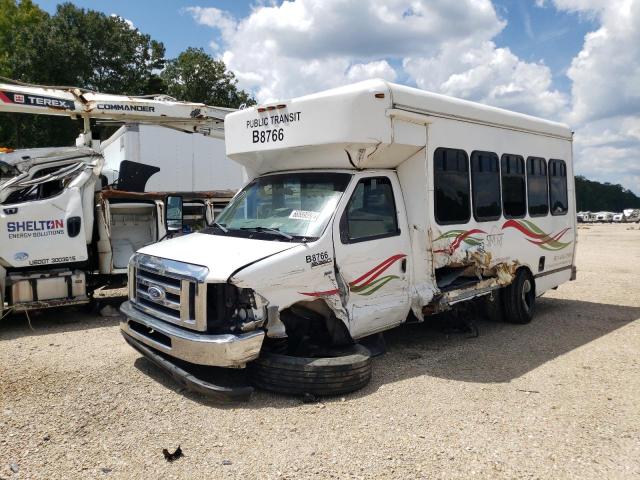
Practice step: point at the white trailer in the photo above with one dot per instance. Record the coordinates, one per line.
(369, 206)
(187, 163)
(631, 215)
(604, 217)
(70, 218)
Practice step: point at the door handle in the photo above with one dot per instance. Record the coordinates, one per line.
(403, 265)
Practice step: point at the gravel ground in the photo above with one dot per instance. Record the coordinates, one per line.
(557, 398)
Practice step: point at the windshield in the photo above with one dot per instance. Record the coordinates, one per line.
(297, 205)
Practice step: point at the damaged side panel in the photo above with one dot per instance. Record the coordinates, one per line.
(289, 278)
(47, 216)
(468, 263)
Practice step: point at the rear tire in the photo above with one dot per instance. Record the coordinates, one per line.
(348, 371)
(519, 298)
(494, 306)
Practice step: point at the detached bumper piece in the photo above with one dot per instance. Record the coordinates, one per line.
(198, 361)
(193, 383)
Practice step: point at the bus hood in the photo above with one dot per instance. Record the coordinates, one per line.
(221, 255)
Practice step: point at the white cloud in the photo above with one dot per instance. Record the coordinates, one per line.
(129, 23)
(364, 71)
(606, 72)
(303, 46)
(282, 50)
(605, 91)
(490, 75)
(213, 17)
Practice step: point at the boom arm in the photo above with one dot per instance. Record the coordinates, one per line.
(77, 103)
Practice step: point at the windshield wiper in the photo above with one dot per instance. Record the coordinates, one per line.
(269, 230)
(220, 226)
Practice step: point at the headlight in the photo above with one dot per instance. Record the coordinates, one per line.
(233, 309)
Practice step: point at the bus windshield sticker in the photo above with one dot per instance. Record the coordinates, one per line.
(308, 215)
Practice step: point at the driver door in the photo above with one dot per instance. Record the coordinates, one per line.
(372, 249)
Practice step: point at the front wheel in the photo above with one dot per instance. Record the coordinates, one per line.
(347, 371)
(520, 298)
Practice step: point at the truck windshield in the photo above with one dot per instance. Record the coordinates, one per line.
(285, 206)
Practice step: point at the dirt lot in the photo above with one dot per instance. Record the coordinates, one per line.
(559, 398)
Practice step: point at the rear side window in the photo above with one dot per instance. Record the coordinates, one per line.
(451, 183)
(558, 187)
(371, 212)
(538, 195)
(485, 186)
(514, 203)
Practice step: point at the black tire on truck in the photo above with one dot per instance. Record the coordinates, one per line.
(349, 370)
(519, 298)
(492, 306)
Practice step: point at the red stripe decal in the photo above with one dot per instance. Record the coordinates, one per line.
(377, 270)
(458, 241)
(370, 276)
(549, 238)
(526, 231)
(4, 98)
(320, 294)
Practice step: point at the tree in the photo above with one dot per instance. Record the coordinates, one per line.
(74, 47)
(88, 49)
(195, 76)
(595, 196)
(21, 25)
(103, 53)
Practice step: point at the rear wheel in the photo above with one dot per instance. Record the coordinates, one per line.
(519, 298)
(493, 306)
(347, 371)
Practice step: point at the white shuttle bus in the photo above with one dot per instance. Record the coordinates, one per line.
(369, 206)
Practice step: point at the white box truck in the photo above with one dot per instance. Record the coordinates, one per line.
(368, 206)
(187, 163)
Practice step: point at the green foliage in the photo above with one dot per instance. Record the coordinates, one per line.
(74, 47)
(195, 76)
(88, 49)
(595, 196)
(21, 27)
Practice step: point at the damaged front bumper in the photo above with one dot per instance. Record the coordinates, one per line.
(215, 391)
(224, 350)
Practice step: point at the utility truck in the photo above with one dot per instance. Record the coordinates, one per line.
(71, 217)
(369, 206)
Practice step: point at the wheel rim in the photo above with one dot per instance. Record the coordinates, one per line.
(527, 295)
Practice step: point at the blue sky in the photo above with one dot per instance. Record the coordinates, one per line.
(532, 33)
(575, 61)
(162, 20)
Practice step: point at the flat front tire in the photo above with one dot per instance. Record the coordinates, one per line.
(519, 298)
(348, 371)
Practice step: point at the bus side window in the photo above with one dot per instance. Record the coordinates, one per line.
(537, 187)
(514, 203)
(558, 187)
(485, 183)
(451, 184)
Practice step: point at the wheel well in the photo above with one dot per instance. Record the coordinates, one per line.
(313, 322)
(526, 269)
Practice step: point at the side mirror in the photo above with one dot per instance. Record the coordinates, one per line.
(173, 213)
